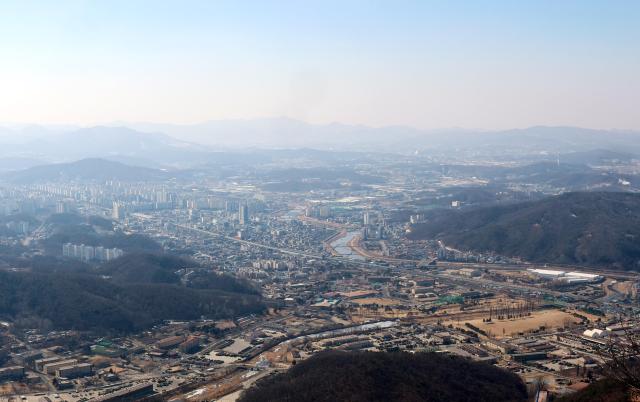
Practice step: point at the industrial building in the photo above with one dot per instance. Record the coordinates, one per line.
(170, 343)
(128, 394)
(11, 373)
(40, 363)
(28, 358)
(568, 277)
(192, 344)
(50, 368)
(75, 370)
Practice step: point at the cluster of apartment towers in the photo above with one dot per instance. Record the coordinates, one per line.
(90, 253)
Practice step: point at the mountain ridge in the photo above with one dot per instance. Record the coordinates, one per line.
(390, 377)
(85, 299)
(287, 132)
(590, 228)
(96, 169)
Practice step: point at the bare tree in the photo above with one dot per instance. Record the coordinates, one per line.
(622, 359)
(540, 383)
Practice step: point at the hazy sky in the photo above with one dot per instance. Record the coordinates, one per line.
(476, 64)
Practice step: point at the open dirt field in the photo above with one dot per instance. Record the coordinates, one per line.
(380, 301)
(503, 328)
(626, 288)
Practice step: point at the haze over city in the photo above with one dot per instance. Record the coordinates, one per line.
(319, 201)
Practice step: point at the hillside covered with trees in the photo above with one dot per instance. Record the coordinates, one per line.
(378, 376)
(593, 228)
(89, 299)
(94, 169)
(92, 231)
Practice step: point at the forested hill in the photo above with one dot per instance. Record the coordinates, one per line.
(390, 377)
(90, 300)
(145, 268)
(591, 228)
(93, 231)
(91, 169)
(163, 268)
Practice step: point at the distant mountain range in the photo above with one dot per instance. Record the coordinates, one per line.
(117, 143)
(166, 144)
(290, 133)
(93, 169)
(597, 229)
(17, 163)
